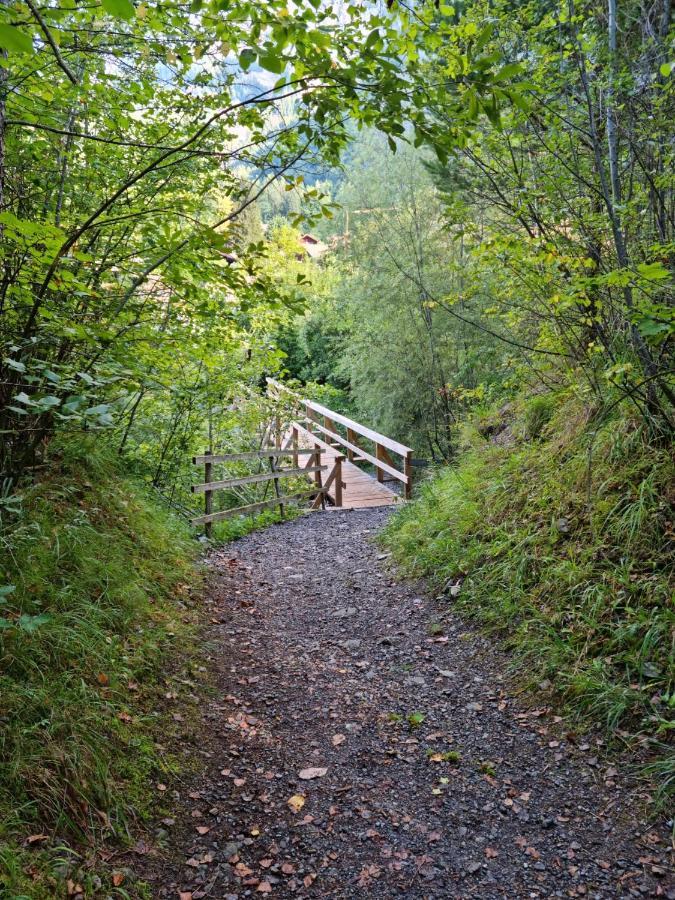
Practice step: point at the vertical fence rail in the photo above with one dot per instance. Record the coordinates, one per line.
(208, 495)
(408, 470)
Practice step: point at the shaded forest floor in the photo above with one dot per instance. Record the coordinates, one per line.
(355, 748)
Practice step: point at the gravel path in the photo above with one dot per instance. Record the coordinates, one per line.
(422, 775)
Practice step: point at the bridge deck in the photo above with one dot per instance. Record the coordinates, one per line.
(360, 489)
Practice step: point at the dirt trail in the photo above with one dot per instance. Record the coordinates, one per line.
(322, 657)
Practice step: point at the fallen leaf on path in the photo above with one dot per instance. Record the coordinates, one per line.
(308, 774)
(288, 868)
(184, 895)
(36, 838)
(264, 888)
(491, 853)
(203, 829)
(241, 870)
(338, 739)
(296, 802)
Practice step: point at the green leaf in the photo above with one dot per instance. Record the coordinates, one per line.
(246, 58)
(29, 624)
(271, 63)
(14, 40)
(653, 271)
(120, 9)
(508, 71)
(15, 365)
(666, 68)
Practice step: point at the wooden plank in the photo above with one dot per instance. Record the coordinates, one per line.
(253, 479)
(365, 457)
(252, 507)
(252, 454)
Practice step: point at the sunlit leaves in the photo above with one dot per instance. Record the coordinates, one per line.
(14, 40)
(121, 9)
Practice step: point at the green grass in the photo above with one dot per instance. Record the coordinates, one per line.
(91, 630)
(239, 526)
(563, 546)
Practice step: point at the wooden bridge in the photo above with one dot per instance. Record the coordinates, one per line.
(316, 426)
(317, 440)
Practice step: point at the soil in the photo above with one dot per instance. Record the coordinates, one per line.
(356, 747)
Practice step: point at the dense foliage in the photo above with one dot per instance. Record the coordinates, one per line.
(493, 185)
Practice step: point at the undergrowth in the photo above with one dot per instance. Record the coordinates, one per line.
(96, 578)
(562, 544)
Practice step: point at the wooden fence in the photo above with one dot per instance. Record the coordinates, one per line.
(313, 467)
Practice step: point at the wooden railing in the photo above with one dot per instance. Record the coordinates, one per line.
(313, 467)
(318, 418)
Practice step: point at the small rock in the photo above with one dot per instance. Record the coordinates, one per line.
(343, 612)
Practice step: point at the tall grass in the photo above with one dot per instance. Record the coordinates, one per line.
(564, 547)
(94, 576)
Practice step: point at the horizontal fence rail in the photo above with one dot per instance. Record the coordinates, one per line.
(254, 479)
(318, 418)
(312, 468)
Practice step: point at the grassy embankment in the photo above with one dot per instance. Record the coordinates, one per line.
(95, 628)
(562, 543)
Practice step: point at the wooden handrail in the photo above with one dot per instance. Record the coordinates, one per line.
(254, 507)
(366, 432)
(381, 460)
(366, 457)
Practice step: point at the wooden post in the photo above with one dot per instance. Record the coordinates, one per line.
(329, 424)
(319, 482)
(277, 431)
(208, 495)
(379, 453)
(276, 487)
(351, 437)
(338, 480)
(294, 440)
(407, 470)
(316, 461)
